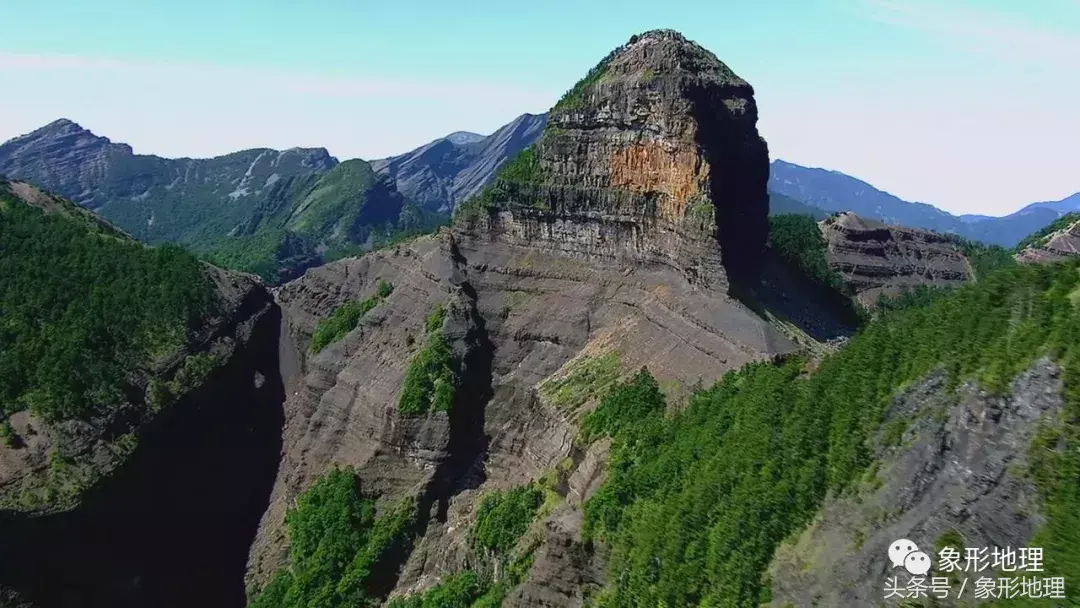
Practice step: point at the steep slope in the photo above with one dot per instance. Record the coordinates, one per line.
(593, 254)
(877, 259)
(786, 483)
(653, 156)
(344, 202)
(973, 445)
(449, 170)
(1056, 242)
(273, 213)
(121, 368)
(836, 192)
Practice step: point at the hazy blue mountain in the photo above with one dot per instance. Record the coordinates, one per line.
(834, 191)
(780, 204)
(450, 169)
(1065, 205)
(464, 138)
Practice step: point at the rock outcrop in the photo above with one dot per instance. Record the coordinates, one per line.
(441, 174)
(878, 259)
(654, 157)
(610, 260)
(1053, 247)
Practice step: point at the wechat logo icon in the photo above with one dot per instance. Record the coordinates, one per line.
(905, 554)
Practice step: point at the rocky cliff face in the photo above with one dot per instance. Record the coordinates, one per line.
(653, 157)
(878, 259)
(608, 263)
(449, 170)
(343, 409)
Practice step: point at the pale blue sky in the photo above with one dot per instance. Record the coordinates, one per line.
(972, 105)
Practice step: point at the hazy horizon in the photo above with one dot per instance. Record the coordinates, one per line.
(918, 100)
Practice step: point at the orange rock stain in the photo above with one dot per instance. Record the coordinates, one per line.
(677, 171)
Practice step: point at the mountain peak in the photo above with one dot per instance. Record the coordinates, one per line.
(60, 127)
(461, 138)
(667, 53)
(62, 123)
(663, 132)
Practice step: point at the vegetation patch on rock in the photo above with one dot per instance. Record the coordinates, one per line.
(503, 517)
(337, 543)
(798, 241)
(501, 520)
(576, 96)
(346, 317)
(514, 183)
(584, 379)
(1038, 238)
(462, 590)
(431, 381)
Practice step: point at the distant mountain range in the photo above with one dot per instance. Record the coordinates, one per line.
(833, 191)
(451, 169)
(265, 211)
(277, 212)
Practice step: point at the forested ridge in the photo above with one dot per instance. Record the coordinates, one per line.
(82, 308)
(697, 502)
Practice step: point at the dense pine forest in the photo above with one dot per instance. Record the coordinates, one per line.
(82, 307)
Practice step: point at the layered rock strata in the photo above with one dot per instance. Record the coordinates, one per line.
(878, 259)
(653, 157)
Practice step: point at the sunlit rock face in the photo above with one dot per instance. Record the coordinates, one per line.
(653, 157)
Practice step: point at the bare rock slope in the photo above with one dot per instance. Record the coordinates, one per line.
(878, 259)
(441, 174)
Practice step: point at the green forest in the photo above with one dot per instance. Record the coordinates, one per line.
(338, 545)
(696, 503)
(431, 380)
(797, 240)
(83, 309)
